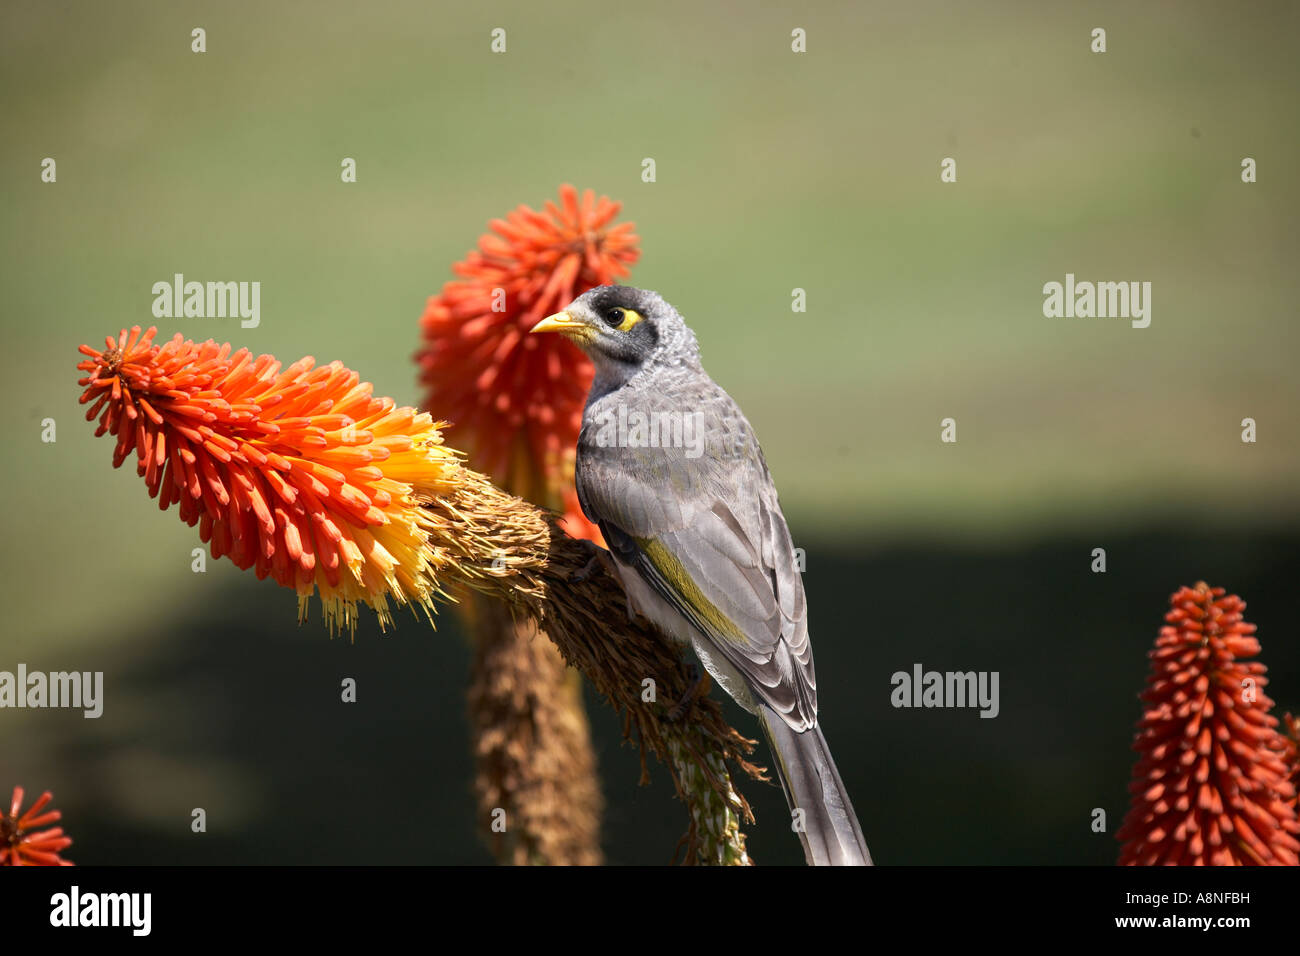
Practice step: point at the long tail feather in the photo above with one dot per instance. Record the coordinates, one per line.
(831, 835)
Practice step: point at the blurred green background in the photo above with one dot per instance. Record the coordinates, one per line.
(774, 171)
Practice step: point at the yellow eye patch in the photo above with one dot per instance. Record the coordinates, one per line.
(630, 318)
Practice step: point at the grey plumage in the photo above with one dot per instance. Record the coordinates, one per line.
(832, 835)
(690, 513)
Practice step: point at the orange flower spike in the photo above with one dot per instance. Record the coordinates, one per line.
(298, 473)
(22, 844)
(1212, 784)
(516, 401)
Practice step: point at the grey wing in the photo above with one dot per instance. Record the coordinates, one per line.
(708, 535)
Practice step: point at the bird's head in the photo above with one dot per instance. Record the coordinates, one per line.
(623, 330)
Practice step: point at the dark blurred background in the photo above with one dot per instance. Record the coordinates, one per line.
(775, 171)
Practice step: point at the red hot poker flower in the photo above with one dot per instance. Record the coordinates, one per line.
(298, 473)
(1292, 756)
(1211, 784)
(22, 844)
(516, 399)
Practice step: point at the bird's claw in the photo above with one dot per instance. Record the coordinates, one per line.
(599, 556)
(699, 687)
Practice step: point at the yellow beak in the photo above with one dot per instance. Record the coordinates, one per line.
(559, 322)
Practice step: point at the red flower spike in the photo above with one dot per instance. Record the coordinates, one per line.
(1211, 786)
(516, 399)
(22, 844)
(298, 473)
(1292, 755)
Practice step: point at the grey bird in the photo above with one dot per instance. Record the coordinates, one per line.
(671, 472)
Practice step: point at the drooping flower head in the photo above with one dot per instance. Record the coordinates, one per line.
(1211, 786)
(516, 399)
(299, 473)
(22, 843)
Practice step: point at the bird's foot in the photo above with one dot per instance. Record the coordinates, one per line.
(701, 683)
(599, 556)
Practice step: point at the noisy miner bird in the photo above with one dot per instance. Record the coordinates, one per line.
(670, 470)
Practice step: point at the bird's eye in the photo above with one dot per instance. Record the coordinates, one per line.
(621, 319)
